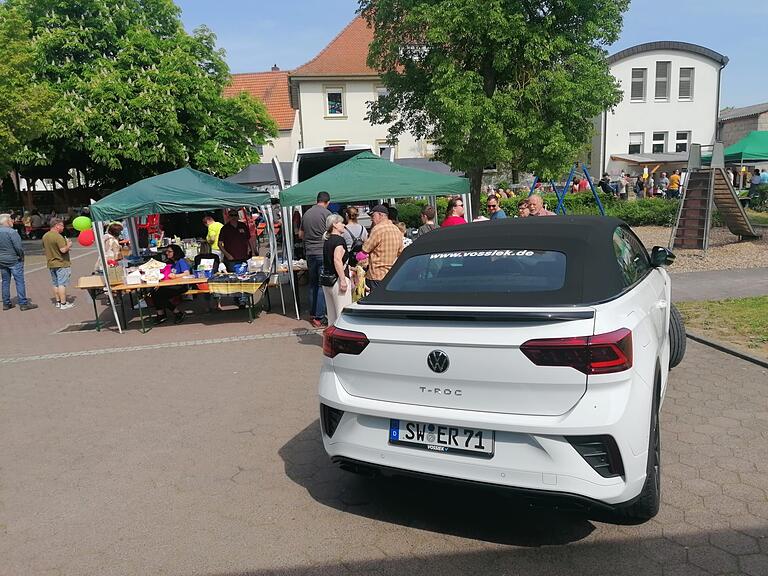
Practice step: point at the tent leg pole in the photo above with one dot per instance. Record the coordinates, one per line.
(103, 259)
(273, 252)
(288, 242)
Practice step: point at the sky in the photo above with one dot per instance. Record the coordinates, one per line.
(259, 33)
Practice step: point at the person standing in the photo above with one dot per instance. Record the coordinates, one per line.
(663, 184)
(454, 215)
(335, 262)
(755, 181)
(427, 221)
(12, 265)
(640, 187)
(383, 246)
(57, 250)
(673, 190)
(214, 229)
(355, 233)
(112, 250)
(311, 231)
(234, 241)
(235, 244)
(494, 210)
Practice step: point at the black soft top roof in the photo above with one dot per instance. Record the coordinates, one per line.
(592, 270)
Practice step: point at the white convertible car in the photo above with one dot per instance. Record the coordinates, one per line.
(530, 354)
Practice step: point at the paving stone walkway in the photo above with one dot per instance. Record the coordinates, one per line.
(206, 459)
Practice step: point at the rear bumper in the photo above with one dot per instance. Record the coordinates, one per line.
(531, 452)
(560, 499)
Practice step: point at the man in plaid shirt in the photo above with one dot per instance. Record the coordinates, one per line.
(383, 246)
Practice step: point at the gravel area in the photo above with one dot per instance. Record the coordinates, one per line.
(725, 251)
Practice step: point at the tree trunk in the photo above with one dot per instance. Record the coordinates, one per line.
(475, 187)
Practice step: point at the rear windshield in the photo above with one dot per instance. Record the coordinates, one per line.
(482, 271)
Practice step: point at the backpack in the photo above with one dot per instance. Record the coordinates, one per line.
(357, 241)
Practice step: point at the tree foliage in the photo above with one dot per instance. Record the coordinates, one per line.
(517, 82)
(24, 104)
(137, 94)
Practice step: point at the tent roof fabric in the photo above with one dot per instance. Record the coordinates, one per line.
(370, 177)
(753, 147)
(182, 190)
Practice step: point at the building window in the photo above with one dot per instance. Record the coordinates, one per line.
(384, 149)
(637, 93)
(381, 91)
(686, 84)
(662, 80)
(659, 143)
(682, 141)
(334, 101)
(636, 141)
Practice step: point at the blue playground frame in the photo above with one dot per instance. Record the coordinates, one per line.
(560, 209)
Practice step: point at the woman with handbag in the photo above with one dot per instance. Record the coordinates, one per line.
(334, 277)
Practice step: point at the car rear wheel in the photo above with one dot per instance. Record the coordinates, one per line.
(676, 337)
(647, 504)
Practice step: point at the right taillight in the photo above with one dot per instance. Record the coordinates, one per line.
(599, 354)
(338, 341)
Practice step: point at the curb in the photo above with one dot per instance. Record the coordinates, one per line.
(727, 349)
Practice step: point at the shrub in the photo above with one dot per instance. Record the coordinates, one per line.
(644, 212)
(759, 198)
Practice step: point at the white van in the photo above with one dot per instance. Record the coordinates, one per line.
(309, 162)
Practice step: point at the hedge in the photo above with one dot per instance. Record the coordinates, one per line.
(644, 212)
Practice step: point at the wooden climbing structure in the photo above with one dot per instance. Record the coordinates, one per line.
(706, 189)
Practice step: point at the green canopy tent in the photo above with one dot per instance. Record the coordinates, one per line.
(182, 190)
(365, 176)
(752, 148)
(370, 177)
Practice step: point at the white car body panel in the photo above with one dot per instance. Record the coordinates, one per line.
(531, 408)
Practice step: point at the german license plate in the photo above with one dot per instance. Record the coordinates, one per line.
(442, 438)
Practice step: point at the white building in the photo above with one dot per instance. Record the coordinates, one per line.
(671, 99)
(331, 93)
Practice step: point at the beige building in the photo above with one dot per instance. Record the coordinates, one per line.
(736, 123)
(332, 92)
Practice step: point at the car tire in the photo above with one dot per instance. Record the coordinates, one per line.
(646, 506)
(677, 339)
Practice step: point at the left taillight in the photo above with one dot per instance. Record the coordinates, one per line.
(338, 341)
(599, 354)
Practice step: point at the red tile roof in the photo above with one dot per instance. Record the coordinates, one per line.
(345, 56)
(269, 87)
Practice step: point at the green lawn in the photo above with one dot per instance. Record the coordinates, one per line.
(743, 321)
(758, 218)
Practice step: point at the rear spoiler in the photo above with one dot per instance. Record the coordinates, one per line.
(472, 315)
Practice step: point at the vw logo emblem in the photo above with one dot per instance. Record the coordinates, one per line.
(438, 361)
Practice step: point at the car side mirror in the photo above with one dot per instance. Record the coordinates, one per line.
(661, 256)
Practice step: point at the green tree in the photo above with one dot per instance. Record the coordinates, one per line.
(515, 82)
(137, 94)
(24, 104)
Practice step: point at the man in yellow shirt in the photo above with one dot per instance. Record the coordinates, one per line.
(213, 233)
(673, 191)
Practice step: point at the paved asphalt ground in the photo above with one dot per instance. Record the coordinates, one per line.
(195, 449)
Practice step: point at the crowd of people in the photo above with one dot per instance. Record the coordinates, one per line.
(342, 254)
